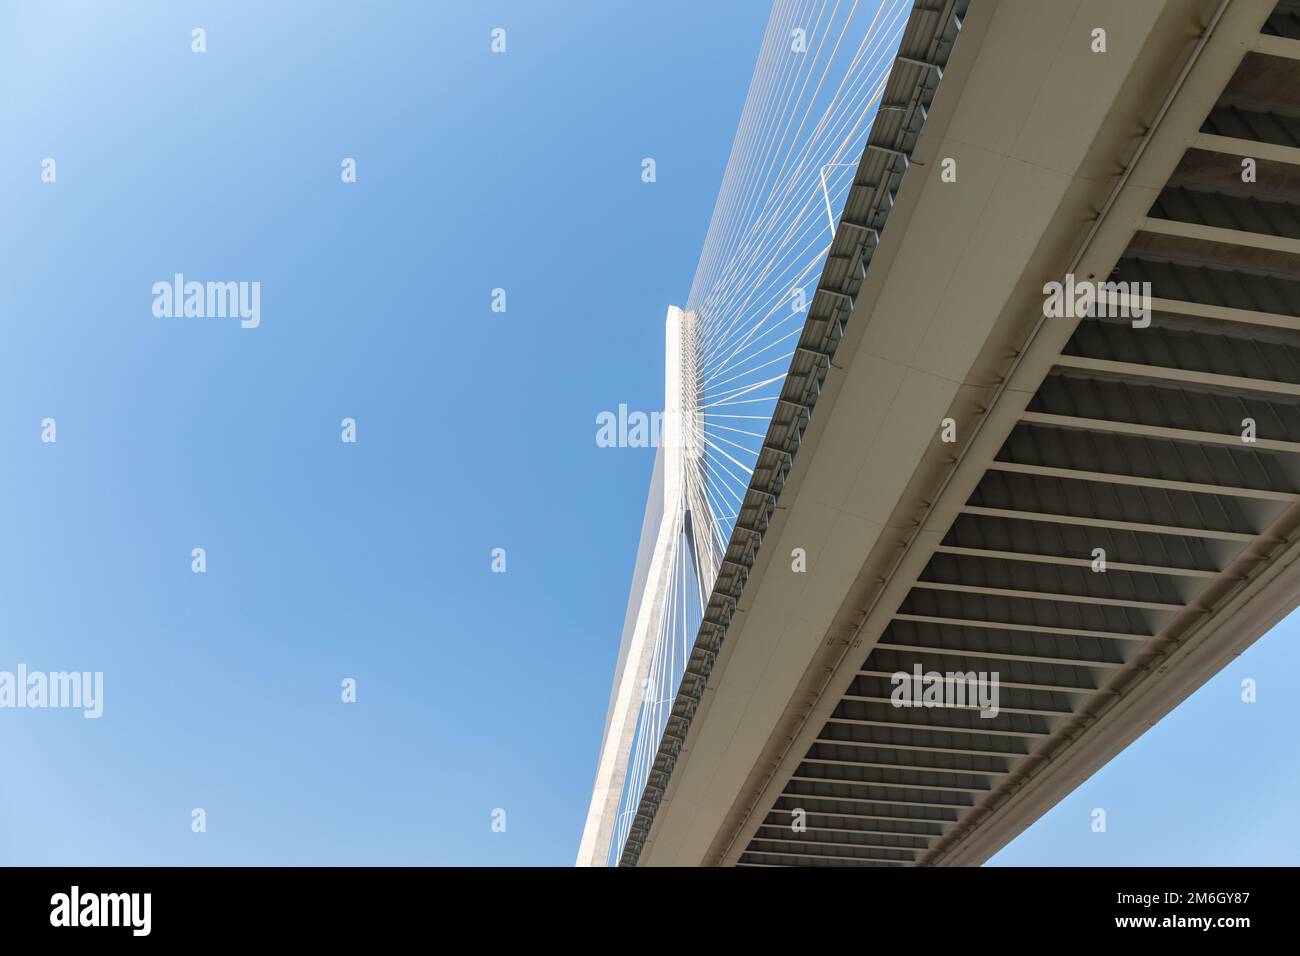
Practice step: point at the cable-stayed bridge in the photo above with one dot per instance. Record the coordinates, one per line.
(887, 450)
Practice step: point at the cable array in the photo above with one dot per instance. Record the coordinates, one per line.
(683, 611)
(820, 74)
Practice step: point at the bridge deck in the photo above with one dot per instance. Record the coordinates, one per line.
(1072, 436)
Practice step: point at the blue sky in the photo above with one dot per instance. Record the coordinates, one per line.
(475, 431)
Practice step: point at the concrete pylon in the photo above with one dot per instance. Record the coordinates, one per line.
(677, 517)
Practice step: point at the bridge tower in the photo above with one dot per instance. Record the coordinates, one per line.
(678, 533)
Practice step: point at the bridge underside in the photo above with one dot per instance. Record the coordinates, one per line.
(1173, 449)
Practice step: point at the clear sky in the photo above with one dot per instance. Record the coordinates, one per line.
(475, 430)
